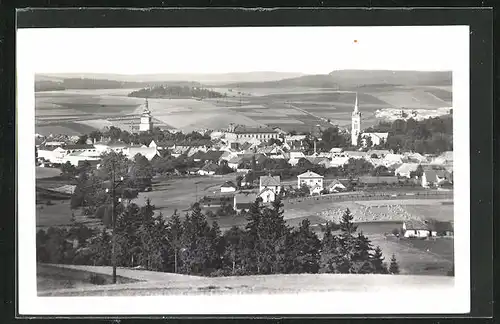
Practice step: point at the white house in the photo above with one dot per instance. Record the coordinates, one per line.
(271, 183)
(53, 155)
(310, 179)
(417, 228)
(228, 187)
(267, 195)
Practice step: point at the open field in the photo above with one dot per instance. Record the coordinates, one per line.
(81, 111)
(156, 283)
(419, 257)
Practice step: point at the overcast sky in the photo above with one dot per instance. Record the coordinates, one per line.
(311, 50)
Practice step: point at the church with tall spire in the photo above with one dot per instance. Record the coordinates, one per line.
(146, 124)
(356, 123)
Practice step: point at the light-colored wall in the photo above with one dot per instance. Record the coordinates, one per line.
(310, 182)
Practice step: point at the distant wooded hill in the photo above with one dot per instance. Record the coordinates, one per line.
(348, 79)
(83, 83)
(175, 91)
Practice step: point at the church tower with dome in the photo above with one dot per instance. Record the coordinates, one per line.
(146, 119)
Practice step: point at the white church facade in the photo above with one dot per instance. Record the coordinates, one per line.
(146, 124)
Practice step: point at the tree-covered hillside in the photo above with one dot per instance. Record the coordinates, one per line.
(175, 91)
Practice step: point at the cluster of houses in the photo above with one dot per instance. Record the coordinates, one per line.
(50, 152)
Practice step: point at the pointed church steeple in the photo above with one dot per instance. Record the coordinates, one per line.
(356, 123)
(356, 104)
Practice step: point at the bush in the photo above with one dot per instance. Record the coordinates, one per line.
(49, 203)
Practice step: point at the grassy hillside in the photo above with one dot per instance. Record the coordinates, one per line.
(177, 77)
(157, 283)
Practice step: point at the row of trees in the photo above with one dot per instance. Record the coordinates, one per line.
(158, 135)
(175, 91)
(432, 135)
(193, 246)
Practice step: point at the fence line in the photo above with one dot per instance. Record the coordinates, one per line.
(372, 196)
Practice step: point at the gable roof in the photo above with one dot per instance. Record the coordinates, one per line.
(241, 129)
(414, 224)
(266, 189)
(309, 174)
(79, 147)
(270, 181)
(335, 182)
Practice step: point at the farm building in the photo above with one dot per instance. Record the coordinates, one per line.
(310, 179)
(229, 186)
(417, 228)
(432, 178)
(269, 182)
(443, 228)
(243, 201)
(335, 186)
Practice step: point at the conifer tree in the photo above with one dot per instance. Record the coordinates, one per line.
(347, 244)
(173, 238)
(362, 255)
(394, 267)
(329, 252)
(377, 261)
(234, 244)
(302, 250)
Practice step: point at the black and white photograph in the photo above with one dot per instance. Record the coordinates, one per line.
(244, 170)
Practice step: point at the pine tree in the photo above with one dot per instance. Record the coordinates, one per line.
(362, 255)
(394, 267)
(302, 249)
(347, 244)
(377, 261)
(234, 246)
(329, 252)
(173, 238)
